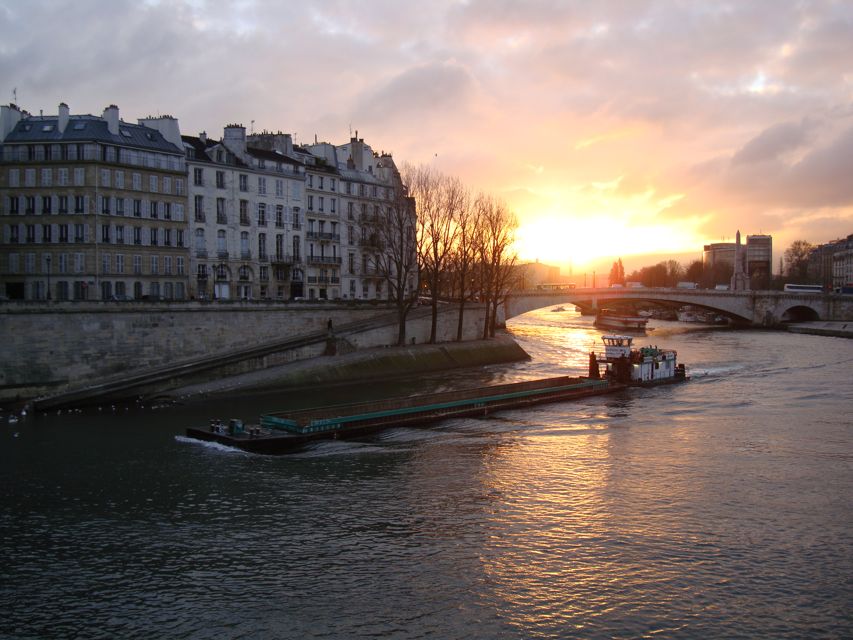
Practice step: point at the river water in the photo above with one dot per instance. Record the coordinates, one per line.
(718, 508)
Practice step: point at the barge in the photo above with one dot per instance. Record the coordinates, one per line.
(609, 319)
(289, 431)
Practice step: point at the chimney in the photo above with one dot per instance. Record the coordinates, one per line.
(235, 139)
(63, 117)
(168, 128)
(111, 116)
(203, 137)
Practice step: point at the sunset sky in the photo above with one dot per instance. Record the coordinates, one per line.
(611, 128)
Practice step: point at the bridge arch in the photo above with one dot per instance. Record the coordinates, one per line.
(799, 313)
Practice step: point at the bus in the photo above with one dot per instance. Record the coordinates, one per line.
(555, 286)
(803, 288)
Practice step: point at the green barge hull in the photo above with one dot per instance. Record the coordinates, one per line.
(288, 431)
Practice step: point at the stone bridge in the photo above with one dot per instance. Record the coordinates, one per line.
(755, 308)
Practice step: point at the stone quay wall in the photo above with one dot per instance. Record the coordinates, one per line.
(48, 348)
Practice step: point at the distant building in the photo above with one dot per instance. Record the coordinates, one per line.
(759, 260)
(92, 207)
(820, 267)
(842, 264)
(530, 274)
(718, 253)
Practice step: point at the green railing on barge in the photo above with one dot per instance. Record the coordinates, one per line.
(430, 407)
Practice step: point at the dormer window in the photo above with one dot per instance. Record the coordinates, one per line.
(125, 133)
(47, 127)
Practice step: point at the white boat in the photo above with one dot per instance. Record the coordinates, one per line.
(609, 319)
(642, 366)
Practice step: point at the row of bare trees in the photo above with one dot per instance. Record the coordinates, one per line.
(440, 241)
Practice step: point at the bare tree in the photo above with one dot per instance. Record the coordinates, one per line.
(464, 256)
(438, 199)
(497, 261)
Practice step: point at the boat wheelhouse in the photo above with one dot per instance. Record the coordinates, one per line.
(641, 366)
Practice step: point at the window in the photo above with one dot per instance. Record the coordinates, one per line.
(310, 181)
(46, 204)
(179, 265)
(119, 263)
(119, 179)
(14, 205)
(29, 263)
(244, 182)
(279, 188)
(105, 263)
(153, 235)
(321, 203)
(244, 245)
(15, 176)
(262, 214)
(119, 206)
(30, 177)
(199, 240)
(137, 182)
(264, 274)
(167, 265)
(30, 204)
(46, 233)
(155, 265)
(198, 176)
(47, 178)
(221, 247)
(262, 246)
(167, 184)
(79, 232)
(63, 204)
(14, 266)
(310, 203)
(137, 265)
(179, 187)
(350, 234)
(221, 218)
(333, 203)
(321, 181)
(199, 208)
(262, 186)
(220, 179)
(79, 204)
(105, 205)
(153, 209)
(31, 233)
(79, 262)
(244, 212)
(152, 184)
(137, 235)
(331, 184)
(279, 215)
(179, 237)
(119, 234)
(167, 237)
(105, 233)
(63, 232)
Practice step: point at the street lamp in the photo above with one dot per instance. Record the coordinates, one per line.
(47, 259)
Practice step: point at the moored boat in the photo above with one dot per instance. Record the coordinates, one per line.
(609, 319)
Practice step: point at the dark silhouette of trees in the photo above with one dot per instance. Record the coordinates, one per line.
(797, 261)
(617, 273)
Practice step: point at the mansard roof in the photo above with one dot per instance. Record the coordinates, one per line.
(88, 128)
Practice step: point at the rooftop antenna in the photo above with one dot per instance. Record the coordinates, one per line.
(15, 95)
(252, 127)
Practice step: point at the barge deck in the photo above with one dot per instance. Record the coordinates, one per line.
(288, 431)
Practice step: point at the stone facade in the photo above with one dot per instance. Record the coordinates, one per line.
(92, 207)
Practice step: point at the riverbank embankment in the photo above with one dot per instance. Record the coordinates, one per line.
(381, 363)
(835, 329)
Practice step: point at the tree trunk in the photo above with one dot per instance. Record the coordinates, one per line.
(461, 319)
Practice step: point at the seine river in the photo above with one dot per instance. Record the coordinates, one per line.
(721, 508)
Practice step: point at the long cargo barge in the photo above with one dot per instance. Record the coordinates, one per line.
(288, 431)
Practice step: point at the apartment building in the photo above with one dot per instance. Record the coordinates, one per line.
(246, 221)
(92, 207)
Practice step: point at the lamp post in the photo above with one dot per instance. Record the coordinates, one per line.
(47, 259)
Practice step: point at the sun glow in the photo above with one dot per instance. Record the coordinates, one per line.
(580, 241)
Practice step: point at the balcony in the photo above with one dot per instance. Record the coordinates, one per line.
(245, 255)
(325, 237)
(263, 258)
(223, 255)
(200, 253)
(284, 258)
(372, 242)
(323, 260)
